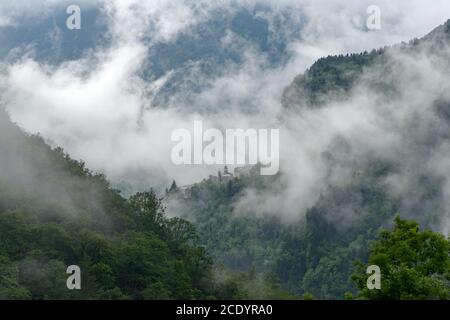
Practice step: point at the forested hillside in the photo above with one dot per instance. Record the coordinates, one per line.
(54, 213)
(332, 77)
(315, 257)
(315, 254)
(312, 256)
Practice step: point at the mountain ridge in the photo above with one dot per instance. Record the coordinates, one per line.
(334, 76)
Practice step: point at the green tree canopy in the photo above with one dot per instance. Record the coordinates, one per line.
(414, 264)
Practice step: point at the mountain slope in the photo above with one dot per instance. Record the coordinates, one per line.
(315, 253)
(55, 213)
(332, 78)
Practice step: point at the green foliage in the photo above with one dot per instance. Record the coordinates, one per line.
(249, 285)
(54, 213)
(414, 264)
(330, 77)
(312, 255)
(10, 288)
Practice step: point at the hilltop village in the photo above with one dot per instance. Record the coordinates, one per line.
(221, 177)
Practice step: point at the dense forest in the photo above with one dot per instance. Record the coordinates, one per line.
(315, 255)
(333, 77)
(55, 212)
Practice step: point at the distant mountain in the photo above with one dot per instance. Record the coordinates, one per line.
(332, 77)
(315, 255)
(47, 39)
(55, 212)
(215, 47)
(203, 52)
(192, 60)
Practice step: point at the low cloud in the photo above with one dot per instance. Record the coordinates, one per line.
(405, 131)
(101, 109)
